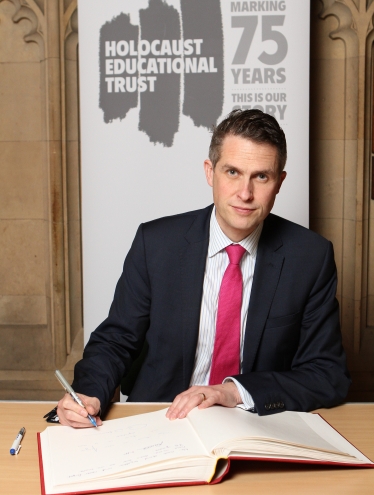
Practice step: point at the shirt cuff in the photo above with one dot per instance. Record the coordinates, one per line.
(247, 401)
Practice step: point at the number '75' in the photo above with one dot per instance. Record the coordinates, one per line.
(249, 23)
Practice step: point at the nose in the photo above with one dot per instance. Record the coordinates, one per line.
(245, 192)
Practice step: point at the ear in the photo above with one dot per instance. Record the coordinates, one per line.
(283, 175)
(209, 171)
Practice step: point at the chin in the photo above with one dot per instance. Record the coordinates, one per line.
(243, 230)
(246, 224)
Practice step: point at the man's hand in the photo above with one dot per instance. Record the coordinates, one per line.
(226, 395)
(72, 414)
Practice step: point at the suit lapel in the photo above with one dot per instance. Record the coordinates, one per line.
(192, 265)
(268, 268)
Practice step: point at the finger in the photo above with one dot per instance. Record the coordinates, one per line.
(70, 418)
(98, 420)
(68, 404)
(209, 401)
(190, 403)
(185, 404)
(80, 425)
(176, 404)
(72, 409)
(92, 404)
(85, 424)
(72, 414)
(225, 394)
(77, 424)
(93, 410)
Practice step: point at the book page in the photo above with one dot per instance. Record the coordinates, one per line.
(317, 423)
(120, 445)
(286, 427)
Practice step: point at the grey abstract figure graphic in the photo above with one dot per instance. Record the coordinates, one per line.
(159, 110)
(203, 92)
(146, 67)
(118, 67)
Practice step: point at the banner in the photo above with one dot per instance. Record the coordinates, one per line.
(154, 77)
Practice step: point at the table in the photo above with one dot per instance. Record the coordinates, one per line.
(19, 475)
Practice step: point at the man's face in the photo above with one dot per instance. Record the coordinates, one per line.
(245, 182)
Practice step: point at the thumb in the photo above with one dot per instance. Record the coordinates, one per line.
(92, 404)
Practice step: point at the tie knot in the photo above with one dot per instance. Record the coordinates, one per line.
(235, 252)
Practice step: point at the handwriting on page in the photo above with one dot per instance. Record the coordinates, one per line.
(150, 445)
(126, 447)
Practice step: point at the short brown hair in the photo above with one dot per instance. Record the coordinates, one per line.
(254, 125)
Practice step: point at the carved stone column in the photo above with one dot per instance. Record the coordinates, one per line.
(40, 260)
(340, 106)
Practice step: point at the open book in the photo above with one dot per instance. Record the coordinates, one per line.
(150, 450)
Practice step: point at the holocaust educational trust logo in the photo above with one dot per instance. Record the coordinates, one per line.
(148, 66)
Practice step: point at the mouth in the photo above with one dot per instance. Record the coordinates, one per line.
(243, 210)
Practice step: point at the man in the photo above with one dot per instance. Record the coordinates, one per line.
(280, 349)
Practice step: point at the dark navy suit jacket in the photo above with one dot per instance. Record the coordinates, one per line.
(293, 357)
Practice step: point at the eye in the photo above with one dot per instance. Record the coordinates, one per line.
(262, 176)
(232, 172)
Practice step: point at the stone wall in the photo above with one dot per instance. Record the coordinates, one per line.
(341, 207)
(40, 261)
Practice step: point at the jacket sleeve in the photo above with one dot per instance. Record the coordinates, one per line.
(114, 345)
(317, 376)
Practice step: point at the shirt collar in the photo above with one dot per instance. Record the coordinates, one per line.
(219, 241)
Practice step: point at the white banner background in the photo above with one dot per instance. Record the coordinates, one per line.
(127, 179)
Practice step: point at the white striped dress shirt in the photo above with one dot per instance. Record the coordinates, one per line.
(216, 264)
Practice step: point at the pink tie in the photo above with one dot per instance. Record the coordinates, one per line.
(226, 353)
